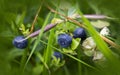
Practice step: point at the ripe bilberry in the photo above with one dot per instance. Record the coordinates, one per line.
(57, 55)
(20, 42)
(79, 33)
(64, 40)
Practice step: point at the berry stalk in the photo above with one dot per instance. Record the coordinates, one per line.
(94, 16)
(48, 27)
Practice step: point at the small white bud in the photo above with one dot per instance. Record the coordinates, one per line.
(105, 31)
(89, 43)
(98, 56)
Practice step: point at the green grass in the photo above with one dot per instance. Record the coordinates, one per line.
(102, 46)
(37, 40)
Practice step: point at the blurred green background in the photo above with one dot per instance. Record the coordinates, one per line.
(10, 10)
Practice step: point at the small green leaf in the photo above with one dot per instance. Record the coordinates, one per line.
(100, 24)
(75, 43)
(59, 32)
(105, 31)
(98, 56)
(57, 62)
(89, 52)
(71, 11)
(22, 27)
(69, 50)
(56, 20)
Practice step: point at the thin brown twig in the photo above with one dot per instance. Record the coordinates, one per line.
(68, 18)
(110, 42)
(35, 18)
(81, 25)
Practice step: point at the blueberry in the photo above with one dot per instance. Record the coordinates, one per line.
(57, 55)
(79, 33)
(20, 42)
(64, 40)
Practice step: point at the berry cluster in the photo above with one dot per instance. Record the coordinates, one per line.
(65, 40)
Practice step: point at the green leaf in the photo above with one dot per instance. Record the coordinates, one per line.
(49, 50)
(22, 27)
(71, 11)
(100, 24)
(89, 52)
(69, 51)
(75, 43)
(56, 20)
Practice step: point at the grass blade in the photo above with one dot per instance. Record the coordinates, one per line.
(48, 51)
(102, 46)
(38, 38)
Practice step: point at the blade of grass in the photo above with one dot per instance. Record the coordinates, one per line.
(38, 38)
(79, 64)
(66, 71)
(48, 51)
(102, 46)
(42, 60)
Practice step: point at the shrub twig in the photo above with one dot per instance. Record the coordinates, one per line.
(35, 18)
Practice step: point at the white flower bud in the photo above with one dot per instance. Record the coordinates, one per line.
(98, 56)
(105, 31)
(89, 43)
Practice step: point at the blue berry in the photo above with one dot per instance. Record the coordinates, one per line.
(20, 42)
(57, 55)
(79, 33)
(64, 40)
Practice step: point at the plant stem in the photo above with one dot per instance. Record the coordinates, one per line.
(48, 27)
(32, 27)
(94, 16)
(110, 42)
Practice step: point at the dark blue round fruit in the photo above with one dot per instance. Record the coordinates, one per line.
(79, 33)
(57, 55)
(20, 42)
(64, 40)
